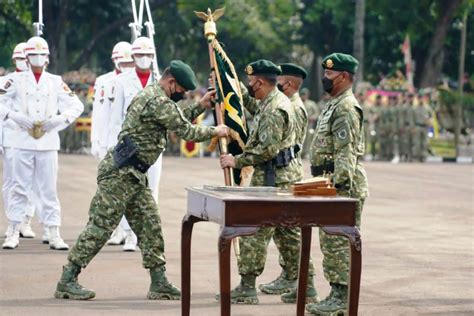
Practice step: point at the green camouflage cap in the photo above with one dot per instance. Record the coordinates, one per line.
(289, 69)
(183, 74)
(340, 62)
(262, 67)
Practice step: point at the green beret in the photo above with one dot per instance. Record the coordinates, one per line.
(340, 62)
(183, 74)
(289, 69)
(262, 67)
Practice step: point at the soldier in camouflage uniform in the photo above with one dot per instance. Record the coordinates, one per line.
(271, 140)
(122, 181)
(422, 117)
(289, 82)
(313, 111)
(337, 148)
(375, 127)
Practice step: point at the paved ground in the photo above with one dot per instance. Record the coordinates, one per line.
(418, 252)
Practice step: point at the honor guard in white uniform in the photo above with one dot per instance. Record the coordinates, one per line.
(41, 104)
(6, 143)
(126, 87)
(122, 59)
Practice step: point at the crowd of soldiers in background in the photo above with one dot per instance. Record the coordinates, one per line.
(397, 124)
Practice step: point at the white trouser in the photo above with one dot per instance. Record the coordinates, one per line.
(40, 168)
(8, 183)
(154, 176)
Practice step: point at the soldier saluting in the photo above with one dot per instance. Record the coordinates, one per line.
(337, 149)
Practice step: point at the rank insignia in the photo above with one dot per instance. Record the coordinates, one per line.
(249, 70)
(7, 85)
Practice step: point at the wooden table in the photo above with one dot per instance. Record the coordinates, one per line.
(241, 213)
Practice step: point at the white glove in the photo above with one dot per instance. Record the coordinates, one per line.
(21, 119)
(54, 122)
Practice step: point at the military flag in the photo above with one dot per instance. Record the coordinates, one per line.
(230, 97)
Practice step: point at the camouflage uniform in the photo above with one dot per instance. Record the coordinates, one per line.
(422, 115)
(405, 123)
(301, 129)
(386, 130)
(313, 110)
(125, 190)
(339, 139)
(274, 130)
(376, 130)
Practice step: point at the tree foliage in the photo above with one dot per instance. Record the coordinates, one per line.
(81, 33)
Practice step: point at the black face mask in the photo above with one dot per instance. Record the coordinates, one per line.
(176, 96)
(328, 84)
(280, 87)
(251, 91)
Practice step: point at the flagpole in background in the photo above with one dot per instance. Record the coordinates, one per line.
(210, 32)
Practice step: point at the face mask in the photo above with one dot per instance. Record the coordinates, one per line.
(280, 87)
(37, 60)
(143, 62)
(127, 69)
(328, 84)
(21, 65)
(176, 96)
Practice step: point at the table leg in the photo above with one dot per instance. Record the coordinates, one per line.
(304, 266)
(186, 234)
(352, 233)
(225, 238)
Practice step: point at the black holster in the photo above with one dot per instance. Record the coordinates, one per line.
(126, 154)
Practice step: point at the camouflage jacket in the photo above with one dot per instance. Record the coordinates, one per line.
(301, 126)
(274, 130)
(422, 115)
(149, 117)
(339, 138)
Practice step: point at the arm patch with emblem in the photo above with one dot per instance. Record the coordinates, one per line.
(342, 132)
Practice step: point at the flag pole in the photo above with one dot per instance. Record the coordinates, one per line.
(210, 32)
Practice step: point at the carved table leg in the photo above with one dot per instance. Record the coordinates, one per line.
(225, 238)
(304, 266)
(352, 233)
(186, 233)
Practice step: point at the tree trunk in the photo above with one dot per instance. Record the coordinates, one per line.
(359, 25)
(434, 60)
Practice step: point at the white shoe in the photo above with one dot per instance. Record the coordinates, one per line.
(13, 238)
(55, 240)
(8, 231)
(130, 242)
(118, 237)
(25, 228)
(45, 237)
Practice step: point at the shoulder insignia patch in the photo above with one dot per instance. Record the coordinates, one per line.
(342, 134)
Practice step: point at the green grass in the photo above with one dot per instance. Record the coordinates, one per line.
(443, 148)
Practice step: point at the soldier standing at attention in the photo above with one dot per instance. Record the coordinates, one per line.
(313, 112)
(375, 127)
(423, 119)
(7, 131)
(269, 150)
(337, 149)
(289, 82)
(123, 184)
(41, 105)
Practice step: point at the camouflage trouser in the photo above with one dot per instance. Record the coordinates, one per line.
(119, 194)
(253, 251)
(404, 143)
(420, 143)
(336, 253)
